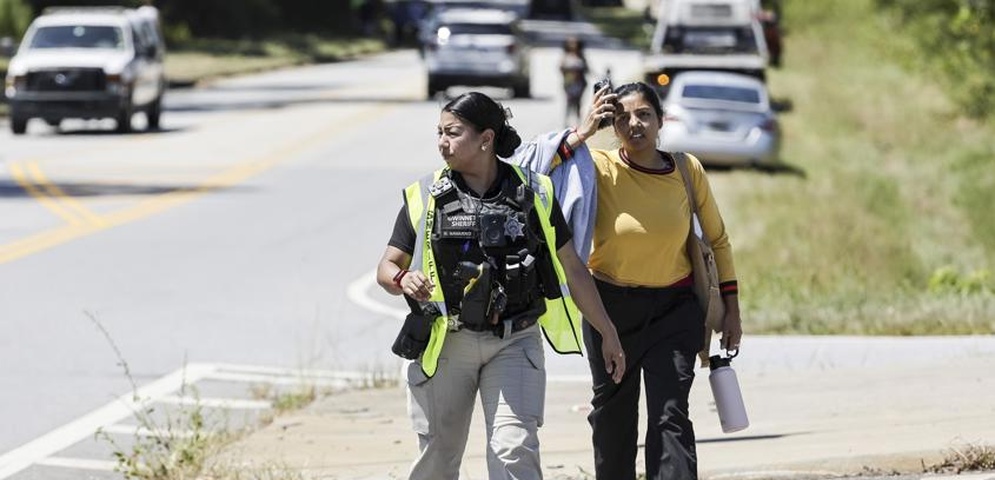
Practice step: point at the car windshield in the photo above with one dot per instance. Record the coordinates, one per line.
(698, 40)
(715, 92)
(478, 29)
(78, 36)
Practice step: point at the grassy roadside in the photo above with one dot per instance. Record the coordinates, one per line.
(201, 60)
(197, 61)
(889, 231)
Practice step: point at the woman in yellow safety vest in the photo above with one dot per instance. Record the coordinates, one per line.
(482, 253)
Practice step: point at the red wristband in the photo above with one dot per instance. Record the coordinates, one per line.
(399, 275)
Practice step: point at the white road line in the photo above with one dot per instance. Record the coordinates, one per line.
(226, 403)
(136, 431)
(40, 450)
(357, 292)
(79, 463)
(23, 457)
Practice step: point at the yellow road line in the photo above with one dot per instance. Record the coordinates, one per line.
(55, 192)
(53, 206)
(239, 173)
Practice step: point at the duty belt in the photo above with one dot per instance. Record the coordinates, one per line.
(502, 329)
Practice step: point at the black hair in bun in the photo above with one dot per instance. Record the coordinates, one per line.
(484, 113)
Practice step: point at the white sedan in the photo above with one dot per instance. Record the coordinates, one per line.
(724, 119)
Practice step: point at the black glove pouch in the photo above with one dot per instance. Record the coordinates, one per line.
(413, 338)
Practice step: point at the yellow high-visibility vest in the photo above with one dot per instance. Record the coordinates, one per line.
(561, 322)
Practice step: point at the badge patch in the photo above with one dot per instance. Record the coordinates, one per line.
(513, 228)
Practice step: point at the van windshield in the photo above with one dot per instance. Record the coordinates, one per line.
(79, 36)
(710, 40)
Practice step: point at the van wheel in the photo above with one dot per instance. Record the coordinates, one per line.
(124, 120)
(154, 113)
(18, 124)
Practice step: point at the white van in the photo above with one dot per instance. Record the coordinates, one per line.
(88, 62)
(717, 35)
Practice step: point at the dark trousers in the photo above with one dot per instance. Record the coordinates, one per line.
(661, 330)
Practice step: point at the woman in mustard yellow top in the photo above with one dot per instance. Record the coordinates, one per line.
(641, 267)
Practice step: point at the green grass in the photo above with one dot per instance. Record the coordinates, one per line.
(204, 59)
(890, 231)
(622, 23)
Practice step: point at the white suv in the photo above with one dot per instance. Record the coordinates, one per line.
(100, 62)
(476, 48)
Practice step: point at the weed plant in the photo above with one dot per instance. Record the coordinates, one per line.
(172, 446)
(965, 458)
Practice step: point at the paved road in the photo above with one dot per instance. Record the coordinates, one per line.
(231, 236)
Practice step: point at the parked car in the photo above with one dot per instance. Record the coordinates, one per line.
(96, 62)
(477, 48)
(724, 119)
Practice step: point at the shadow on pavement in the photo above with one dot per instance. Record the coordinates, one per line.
(100, 131)
(778, 168)
(748, 438)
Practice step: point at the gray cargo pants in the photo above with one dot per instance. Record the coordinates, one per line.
(510, 375)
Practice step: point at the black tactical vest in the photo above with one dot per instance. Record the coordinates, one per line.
(498, 230)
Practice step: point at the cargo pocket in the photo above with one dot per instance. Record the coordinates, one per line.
(421, 398)
(534, 380)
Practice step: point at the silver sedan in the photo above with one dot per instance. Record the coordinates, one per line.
(724, 119)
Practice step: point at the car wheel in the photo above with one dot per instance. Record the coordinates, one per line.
(434, 88)
(124, 120)
(154, 114)
(18, 124)
(522, 90)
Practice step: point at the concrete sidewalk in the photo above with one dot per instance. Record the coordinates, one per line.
(837, 415)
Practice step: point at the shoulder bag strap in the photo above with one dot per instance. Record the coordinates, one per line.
(681, 161)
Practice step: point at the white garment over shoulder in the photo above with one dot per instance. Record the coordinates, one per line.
(574, 180)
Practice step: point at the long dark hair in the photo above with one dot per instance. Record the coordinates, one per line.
(483, 113)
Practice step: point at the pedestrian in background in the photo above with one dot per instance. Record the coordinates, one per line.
(643, 273)
(482, 250)
(573, 67)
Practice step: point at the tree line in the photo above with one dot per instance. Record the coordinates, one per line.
(235, 19)
(956, 38)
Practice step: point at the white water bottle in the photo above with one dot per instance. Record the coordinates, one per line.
(728, 398)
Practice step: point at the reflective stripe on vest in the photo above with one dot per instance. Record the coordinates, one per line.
(560, 323)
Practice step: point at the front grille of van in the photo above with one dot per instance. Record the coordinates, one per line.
(67, 80)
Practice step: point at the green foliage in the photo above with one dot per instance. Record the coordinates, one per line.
(958, 40)
(950, 280)
(253, 19)
(898, 184)
(14, 18)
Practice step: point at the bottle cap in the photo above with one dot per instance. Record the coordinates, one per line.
(718, 361)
